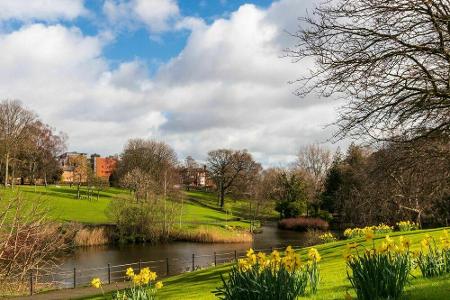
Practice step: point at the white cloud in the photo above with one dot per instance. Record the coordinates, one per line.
(59, 73)
(156, 15)
(227, 88)
(26, 10)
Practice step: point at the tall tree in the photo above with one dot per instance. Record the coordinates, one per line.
(290, 194)
(314, 161)
(15, 126)
(390, 59)
(229, 167)
(155, 158)
(39, 152)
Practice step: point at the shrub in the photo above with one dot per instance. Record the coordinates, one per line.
(358, 232)
(262, 277)
(303, 224)
(29, 241)
(379, 273)
(327, 237)
(433, 260)
(407, 226)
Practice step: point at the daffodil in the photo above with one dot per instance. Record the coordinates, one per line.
(96, 282)
(275, 256)
(159, 285)
(369, 234)
(425, 243)
(383, 247)
(314, 255)
(130, 272)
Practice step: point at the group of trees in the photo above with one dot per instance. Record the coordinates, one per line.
(147, 168)
(398, 181)
(28, 147)
(389, 61)
(291, 191)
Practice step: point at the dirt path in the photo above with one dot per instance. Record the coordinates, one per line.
(77, 293)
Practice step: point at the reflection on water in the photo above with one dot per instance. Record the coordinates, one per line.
(179, 254)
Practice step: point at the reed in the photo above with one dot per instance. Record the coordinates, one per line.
(212, 235)
(91, 237)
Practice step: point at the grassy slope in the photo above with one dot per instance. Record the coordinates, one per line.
(334, 283)
(63, 205)
(238, 207)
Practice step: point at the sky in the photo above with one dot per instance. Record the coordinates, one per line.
(199, 75)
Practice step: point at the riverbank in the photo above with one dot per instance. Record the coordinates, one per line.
(91, 225)
(334, 284)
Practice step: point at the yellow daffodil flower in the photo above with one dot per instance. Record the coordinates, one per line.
(96, 282)
(159, 285)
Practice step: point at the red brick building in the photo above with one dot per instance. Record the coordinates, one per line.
(103, 166)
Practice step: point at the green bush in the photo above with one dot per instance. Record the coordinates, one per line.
(380, 273)
(261, 277)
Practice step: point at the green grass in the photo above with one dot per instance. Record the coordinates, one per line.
(63, 205)
(334, 283)
(238, 207)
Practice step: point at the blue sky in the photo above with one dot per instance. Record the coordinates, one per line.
(136, 43)
(199, 75)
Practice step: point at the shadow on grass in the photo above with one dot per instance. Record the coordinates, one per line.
(432, 288)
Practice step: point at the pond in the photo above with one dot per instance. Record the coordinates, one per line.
(93, 261)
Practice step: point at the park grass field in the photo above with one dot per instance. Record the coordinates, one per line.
(238, 207)
(63, 205)
(334, 284)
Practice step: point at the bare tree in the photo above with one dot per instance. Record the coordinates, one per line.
(155, 158)
(15, 123)
(80, 170)
(416, 177)
(389, 59)
(39, 151)
(190, 172)
(314, 162)
(228, 167)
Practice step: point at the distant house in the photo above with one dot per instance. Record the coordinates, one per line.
(195, 177)
(103, 166)
(74, 167)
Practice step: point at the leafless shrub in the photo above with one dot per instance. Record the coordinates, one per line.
(29, 242)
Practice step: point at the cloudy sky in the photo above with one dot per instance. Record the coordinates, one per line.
(199, 75)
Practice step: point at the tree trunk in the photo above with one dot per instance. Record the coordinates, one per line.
(222, 198)
(13, 179)
(6, 168)
(165, 233)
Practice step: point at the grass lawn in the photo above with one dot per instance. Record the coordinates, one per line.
(64, 206)
(237, 207)
(334, 283)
